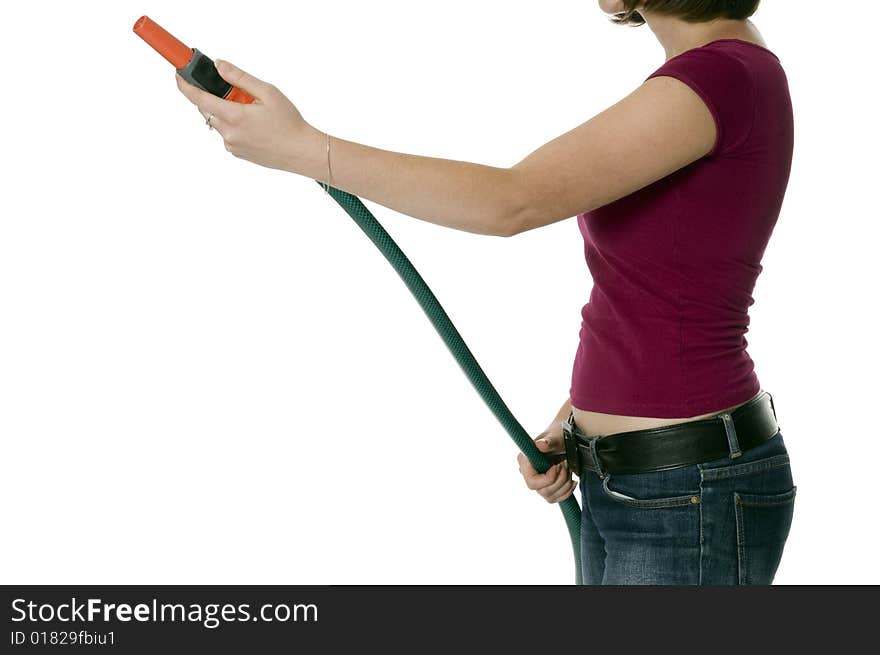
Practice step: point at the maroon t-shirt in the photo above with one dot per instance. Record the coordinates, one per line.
(674, 264)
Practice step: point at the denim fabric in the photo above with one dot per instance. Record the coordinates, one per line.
(721, 522)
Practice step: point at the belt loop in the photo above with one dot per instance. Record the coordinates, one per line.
(732, 441)
(568, 422)
(772, 406)
(599, 471)
(572, 454)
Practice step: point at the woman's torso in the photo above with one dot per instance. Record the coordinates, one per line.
(598, 423)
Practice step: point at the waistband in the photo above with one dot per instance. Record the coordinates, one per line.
(672, 446)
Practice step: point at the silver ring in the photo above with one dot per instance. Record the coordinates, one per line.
(208, 121)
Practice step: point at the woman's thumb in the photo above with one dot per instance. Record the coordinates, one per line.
(543, 442)
(237, 77)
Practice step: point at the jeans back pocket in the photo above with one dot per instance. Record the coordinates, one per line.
(763, 521)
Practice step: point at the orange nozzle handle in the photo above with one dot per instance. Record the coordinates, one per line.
(177, 54)
(191, 64)
(239, 95)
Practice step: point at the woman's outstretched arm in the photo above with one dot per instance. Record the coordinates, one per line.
(660, 127)
(271, 132)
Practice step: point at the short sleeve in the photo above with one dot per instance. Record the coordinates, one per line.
(725, 84)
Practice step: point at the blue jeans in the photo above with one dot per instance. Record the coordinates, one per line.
(721, 522)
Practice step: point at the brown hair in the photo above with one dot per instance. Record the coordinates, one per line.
(692, 11)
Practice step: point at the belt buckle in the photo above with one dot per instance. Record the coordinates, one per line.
(572, 454)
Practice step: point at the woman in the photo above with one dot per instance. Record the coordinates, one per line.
(683, 473)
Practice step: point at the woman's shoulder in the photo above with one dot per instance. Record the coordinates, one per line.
(728, 56)
(732, 76)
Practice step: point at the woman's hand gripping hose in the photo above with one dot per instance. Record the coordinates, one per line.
(555, 484)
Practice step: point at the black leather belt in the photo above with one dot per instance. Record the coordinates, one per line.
(671, 446)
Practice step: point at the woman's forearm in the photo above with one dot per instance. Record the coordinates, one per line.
(456, 194)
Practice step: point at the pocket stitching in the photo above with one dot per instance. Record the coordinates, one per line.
(770, 500)
(651, 503)
(741, 500)
(746, 468)
(740, 539)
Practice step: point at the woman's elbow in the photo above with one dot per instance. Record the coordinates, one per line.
(511, 209)
(506, 225)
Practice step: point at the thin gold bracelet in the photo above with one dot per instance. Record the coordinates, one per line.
(329, 170)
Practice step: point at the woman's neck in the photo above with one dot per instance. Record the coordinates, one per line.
(676, 35)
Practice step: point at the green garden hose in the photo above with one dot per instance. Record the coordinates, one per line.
(432, 307)
(198, 69)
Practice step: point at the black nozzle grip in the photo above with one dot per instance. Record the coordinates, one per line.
(201, 72)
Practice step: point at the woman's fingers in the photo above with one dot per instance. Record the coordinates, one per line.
(216, 122)
(564, 493)
(208, 103)
(237, 77)
(535, 480)
(559, 485)
(549, 443)
(555, 484)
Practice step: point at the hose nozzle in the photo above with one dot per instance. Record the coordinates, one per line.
(193, 66)
(167, 45)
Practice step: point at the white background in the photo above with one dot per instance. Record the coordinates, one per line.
(208, 374)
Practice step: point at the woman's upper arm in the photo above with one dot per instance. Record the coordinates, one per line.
(675, 117)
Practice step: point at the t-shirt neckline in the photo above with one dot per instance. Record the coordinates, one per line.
(751, 43)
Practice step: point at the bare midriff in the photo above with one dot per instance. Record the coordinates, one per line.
(596, 423)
